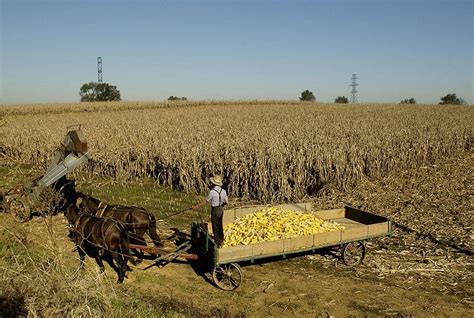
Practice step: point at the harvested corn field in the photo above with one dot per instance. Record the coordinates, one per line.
(401, 275)
(401, 272)
(268, 151)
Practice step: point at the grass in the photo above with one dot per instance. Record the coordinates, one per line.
(38, 276)
(161, 201)
(38, 267)
(38, 271)
(41, 271)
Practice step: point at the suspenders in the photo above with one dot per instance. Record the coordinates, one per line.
(219, 193)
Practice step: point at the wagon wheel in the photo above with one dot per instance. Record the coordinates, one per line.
(353, 253)
(227, 276)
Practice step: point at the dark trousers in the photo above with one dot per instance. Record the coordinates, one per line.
(217, 228)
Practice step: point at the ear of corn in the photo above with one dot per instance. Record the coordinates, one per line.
(274, 224)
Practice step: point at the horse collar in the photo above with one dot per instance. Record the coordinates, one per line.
(100, 211)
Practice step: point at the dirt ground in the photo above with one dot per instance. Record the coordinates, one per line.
(407, 274)
(304, 286)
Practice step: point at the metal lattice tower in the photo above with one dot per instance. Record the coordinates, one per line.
(99, 69)
(353, 89)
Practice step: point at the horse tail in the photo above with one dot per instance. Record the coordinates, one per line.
(152, 230)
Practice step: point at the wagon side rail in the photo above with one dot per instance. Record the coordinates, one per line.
(228, 255)
(365, 226)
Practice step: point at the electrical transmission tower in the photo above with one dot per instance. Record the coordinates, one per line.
(353, 89)
(99, 69)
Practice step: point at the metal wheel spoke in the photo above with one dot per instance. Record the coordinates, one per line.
(227, 276)
(228, 282)
(234, 283)
(219, 271)
(353, 253)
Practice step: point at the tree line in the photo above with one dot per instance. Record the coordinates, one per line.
(99, 92)
(449, 99)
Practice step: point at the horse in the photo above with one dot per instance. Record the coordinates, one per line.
(137, 220)
(99, 238)
(67, 191)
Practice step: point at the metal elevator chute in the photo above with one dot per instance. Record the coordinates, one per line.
(27, 199)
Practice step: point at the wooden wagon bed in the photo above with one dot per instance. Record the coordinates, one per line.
(359, 226)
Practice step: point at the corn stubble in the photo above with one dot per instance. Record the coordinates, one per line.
(268, 151)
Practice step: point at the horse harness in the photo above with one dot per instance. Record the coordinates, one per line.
(79, 230)
(101, 209)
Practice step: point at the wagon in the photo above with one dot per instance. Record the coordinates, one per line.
(223, 263)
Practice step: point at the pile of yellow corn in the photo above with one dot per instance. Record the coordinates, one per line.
(271, 224)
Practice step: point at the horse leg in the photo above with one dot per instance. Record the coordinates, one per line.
(81, 261)
(99, 262)
(152, 232)
(137, 240)
(124, 249)
(120, 270)
(82, 256)
(109, 259)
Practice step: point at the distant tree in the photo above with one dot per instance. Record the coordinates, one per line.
(341, 100)
(99, 92)
(177, 98)
(307, 96)
(450, 99)
(408, 101)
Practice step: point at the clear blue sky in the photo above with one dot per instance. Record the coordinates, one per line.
(237, 49)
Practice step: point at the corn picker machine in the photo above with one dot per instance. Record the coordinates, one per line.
(48, 193)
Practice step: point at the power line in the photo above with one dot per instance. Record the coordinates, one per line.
(99, 69)
(353, 89)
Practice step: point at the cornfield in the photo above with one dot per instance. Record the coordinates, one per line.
(267, 151)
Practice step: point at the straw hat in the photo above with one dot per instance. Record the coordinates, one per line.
(216, 180)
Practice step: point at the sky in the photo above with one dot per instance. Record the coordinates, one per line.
(237, 49)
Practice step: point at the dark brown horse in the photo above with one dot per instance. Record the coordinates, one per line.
(99, 238)
(137, 220)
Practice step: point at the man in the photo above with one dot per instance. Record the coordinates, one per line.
(217, 197)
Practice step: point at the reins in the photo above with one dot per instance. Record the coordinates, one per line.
(173, 214)
(103, 206)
